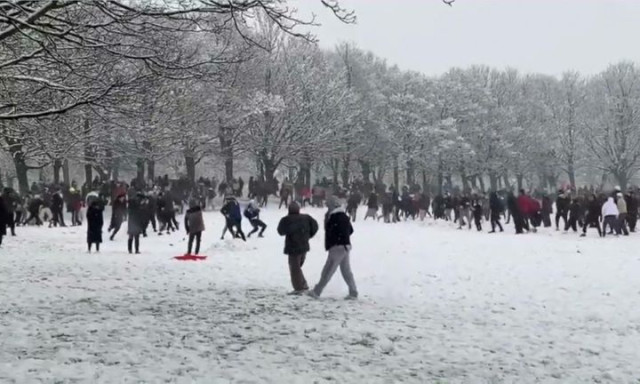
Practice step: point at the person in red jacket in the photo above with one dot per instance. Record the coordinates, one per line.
(526, 208)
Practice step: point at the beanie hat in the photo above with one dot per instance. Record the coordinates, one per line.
(294, 208)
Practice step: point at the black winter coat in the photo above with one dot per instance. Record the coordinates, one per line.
(547, 205)
(57, 202)
(338, 230)
(297, 229)
(4, 217)
(135, 219)
(632, 204)
(562, 204)
(373, 201)
(95, 221)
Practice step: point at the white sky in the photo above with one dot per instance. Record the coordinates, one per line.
(546, 36)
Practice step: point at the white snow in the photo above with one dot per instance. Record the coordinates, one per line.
(437, 305)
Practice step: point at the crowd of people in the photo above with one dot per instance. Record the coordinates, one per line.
(155, 206)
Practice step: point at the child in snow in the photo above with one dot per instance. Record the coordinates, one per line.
(95, 221)
(194, 225)
(252, 212)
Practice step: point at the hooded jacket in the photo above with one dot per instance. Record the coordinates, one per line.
(298, 229)
(610, 208)
(338, 229)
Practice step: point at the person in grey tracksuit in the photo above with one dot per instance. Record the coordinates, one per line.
(338, 231)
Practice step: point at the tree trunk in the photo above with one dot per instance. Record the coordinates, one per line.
(482, 186)
(571, 172)
(140, 170)
(228, 168)
(366, 171)
(411, 173)
(88, 157)
(493, 181)
(346, 163)
(305, 172)
(269, 170)
(190, 164)
(22, 172)
(226, 147)
(396, 175)
(151, 164)
(57, 166)
(474, 181)
(115, 170)
(66, 175)
(505, 180)
(520, 180)
(622, 179)
(425, 184)
(449, 182)
(465, 180)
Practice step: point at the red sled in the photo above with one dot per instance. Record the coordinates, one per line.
(190, 258)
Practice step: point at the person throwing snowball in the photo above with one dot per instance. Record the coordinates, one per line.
(338, 231)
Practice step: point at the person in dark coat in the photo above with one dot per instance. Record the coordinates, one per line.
(4, 219)
(562, 208)
(353, 202)
(252, 213)
(496, 207)
(298, 229)
(574, 211)
(632, 210)
(372, 206)
(194, 225)
(34, 210)
(547, 210)
(95, 221)
(134, 224)
(11, 203)
(338, 231)
(57, 209)
(233, 218)
(476, 210)
(593, 216)
(118, 212)
(514, 210)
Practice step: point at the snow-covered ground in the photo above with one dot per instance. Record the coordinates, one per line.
(437, 305)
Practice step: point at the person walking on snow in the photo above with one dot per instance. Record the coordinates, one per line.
(298, 229)
(233, 217)
(5, 219)
(134, 224)
(95, 221)
(252, 213)
(609, 216)
(622, 215)
(338, 231)
(194, 225)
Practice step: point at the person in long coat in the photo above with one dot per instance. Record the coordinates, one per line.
(4, 219)
(194, 225)
(95, 221)
(134, 224)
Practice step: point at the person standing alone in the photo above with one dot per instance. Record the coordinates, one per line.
(338, 231)
(194, 225)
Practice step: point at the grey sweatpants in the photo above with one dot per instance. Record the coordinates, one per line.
(338, 257)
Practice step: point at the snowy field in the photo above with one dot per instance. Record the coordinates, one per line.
(437, 305)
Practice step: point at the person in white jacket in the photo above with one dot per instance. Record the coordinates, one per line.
(609, 216)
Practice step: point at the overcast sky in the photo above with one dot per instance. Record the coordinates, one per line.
(546, 36)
